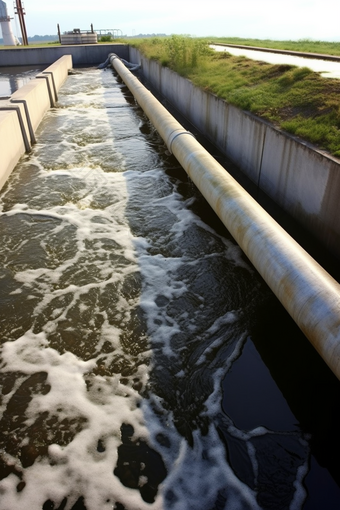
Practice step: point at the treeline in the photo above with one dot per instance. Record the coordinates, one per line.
(140, 36)
(40, 38)
(37, 38)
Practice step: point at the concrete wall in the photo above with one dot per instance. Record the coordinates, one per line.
(84, 55)
(12, 145)
(59, 71)
(300, 179)
(35, 98)
(22, 114)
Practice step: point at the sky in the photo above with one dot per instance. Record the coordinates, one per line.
(261, 19)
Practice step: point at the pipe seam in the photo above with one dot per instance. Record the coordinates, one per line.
(178, 134)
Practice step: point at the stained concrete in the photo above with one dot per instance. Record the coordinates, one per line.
(12, 145)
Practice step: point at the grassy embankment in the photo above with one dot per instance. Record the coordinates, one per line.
(294, 99)
(305, 45)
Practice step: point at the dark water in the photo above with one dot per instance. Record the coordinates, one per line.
(144, 363)
(12, 78)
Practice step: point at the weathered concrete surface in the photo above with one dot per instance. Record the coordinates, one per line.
(303, 181)
(12, 145)
(22, 114)
(34, 95)
(82, 55)
(59, 72)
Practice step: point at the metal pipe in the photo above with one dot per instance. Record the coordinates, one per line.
(309, 294)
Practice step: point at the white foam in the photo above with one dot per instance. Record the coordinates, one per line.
(116, 223)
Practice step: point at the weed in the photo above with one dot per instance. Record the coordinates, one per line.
(180, 53)
(105, 38)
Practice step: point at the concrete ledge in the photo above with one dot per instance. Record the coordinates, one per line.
(59, 71)
(49, 81)
(303, 181)
(12, 145)
(34, 96)
(19, 109)
(82, 55)
(21, 116)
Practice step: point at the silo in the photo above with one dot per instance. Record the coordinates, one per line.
(5, 23)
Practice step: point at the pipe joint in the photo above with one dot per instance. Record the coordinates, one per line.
(113, 56)
(175, 136)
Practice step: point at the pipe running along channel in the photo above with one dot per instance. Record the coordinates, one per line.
(309, 294)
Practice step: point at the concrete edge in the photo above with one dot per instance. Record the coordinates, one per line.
(22, 114)
(12, 145)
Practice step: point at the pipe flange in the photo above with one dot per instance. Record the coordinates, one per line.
(179, 134)
(113, 56)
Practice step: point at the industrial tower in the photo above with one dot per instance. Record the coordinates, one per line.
(6, 29)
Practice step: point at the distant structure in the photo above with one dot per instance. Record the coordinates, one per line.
(6, 29)
(113, 32)
(78, 36)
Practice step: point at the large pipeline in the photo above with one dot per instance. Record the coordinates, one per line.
(309, 294)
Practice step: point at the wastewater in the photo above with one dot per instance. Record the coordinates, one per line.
(144, 363)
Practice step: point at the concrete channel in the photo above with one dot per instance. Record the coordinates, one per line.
(310, 294)
(21, 115)
(134, 331)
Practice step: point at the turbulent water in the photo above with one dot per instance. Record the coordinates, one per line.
(123, 315)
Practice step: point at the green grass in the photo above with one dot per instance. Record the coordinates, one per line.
(177, 52)
(294, 99)
(305, 45)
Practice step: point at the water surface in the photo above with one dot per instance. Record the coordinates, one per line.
(133, 335)
(12, 78)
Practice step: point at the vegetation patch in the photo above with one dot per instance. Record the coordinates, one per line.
(305, 45)
(294, 99)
